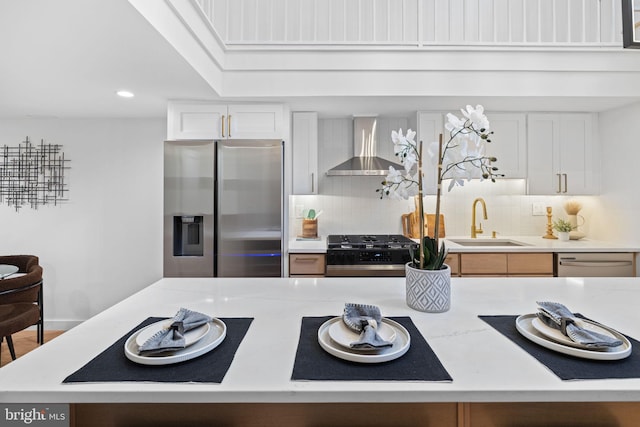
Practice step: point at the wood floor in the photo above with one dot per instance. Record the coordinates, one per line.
(23, 342)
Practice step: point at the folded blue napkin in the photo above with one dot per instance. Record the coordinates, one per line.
(172, 338)
(556, 315)
(364, 319)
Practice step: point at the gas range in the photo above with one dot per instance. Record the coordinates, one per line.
(368, 255)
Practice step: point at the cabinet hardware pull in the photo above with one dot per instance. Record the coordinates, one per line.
(222, 121)
(559, 184)
(312, 183)
(229, 125)
(306, 259)
(565, 182)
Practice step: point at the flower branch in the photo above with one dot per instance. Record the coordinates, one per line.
(455, 160)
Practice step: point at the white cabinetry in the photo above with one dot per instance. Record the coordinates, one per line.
(305, 152)
(188, 120)
(508, 143)
(430, 126)
(562, 154)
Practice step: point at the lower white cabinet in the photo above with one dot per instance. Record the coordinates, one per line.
(305, 152)
(191, 120)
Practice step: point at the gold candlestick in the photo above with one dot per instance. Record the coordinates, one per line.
(549, 234)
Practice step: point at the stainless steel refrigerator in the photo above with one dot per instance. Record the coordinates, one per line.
(223, 208)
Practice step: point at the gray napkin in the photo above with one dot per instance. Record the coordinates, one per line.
(172, 338)
(558, 316)
(364, 319)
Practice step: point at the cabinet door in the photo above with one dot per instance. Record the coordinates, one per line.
(543, 132)
(562, 154)
(508, 144)
(576, 151)
(305, 152)
(494, 264)
(430, 126)
(260, 121)
(195, 121)
(307, 264)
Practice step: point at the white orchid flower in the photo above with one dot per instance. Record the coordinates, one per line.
(454, 123)
(394, 176)
(476, 115)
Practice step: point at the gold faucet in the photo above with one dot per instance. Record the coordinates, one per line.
(475, 231)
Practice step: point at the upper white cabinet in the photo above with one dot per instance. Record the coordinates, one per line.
(187, 120)
(430, 126)
(508, 143)
(562, 154)
(305, 152)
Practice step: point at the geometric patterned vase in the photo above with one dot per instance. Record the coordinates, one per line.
(429, 290)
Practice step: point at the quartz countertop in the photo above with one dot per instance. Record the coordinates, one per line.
(484, 365)
(531, 244)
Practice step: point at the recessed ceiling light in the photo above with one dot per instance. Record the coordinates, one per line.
(124, 94)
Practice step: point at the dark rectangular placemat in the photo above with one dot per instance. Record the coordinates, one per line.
(419, 363)
(112, 364)
(565, 366)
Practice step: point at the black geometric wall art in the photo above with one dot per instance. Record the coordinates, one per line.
(33, 175)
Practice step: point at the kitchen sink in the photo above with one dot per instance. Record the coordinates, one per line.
(487, 242)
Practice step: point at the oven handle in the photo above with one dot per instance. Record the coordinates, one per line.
(365, 270)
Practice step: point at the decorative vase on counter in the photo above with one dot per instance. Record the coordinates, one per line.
(563, 236)
(428, 290)
(576, 234)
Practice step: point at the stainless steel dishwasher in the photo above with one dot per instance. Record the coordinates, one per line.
(595, 264)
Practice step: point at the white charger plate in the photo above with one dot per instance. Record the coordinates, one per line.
(525, 327)
(190, 337)
(399, 348)
(341, 334)
(213, 338)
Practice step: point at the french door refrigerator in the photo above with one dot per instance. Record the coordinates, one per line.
(223, 208)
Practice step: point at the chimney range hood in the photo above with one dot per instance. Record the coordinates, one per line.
(365, 161)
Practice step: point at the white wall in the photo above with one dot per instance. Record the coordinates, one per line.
(620, 200)
(106, 242)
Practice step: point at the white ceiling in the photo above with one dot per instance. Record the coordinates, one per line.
(66, 58)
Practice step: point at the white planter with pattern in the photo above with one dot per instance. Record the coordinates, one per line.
(428, 290)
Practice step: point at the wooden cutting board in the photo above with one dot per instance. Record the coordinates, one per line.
(411, 225)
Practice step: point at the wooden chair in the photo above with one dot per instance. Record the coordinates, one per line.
(14, 318)
(24, 288)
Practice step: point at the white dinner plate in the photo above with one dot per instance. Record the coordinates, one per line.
(525, 327)
(558, 336)
(213, 338)
(400, 345)
(341, 334)
(190, 337)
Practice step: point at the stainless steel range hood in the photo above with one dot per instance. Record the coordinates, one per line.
(365, 161)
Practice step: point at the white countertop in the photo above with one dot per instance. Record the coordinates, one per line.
(484, 365)
(533, 244)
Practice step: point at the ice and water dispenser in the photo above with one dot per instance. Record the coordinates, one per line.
(188, 235)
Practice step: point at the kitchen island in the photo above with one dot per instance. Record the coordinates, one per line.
(494, 382)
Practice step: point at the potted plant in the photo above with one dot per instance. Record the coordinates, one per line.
(563, 228)
(428, 278)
